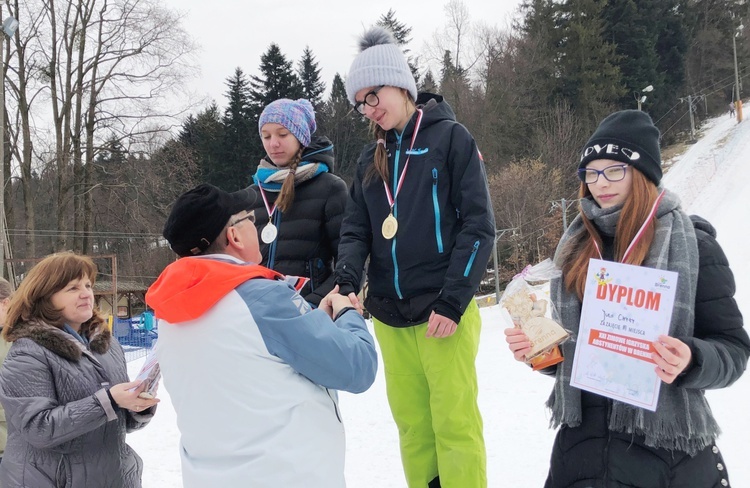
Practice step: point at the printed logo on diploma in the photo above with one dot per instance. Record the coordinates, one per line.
(625, 308)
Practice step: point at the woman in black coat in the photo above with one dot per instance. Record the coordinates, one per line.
(626, 217)
(302, 205)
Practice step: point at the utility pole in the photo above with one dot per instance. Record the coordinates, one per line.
(738, 102)
(692, 101)
(2, 152)
(692, 120)
(499, 233)
(564, 205)
(8, 29)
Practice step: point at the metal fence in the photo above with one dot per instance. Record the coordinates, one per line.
(136, 335)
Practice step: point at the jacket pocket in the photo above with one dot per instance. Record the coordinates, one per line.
(335, 405)
(436, 208)
(61, 473)
(471, 259)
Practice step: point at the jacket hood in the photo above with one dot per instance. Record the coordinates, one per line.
(57, 340)
(702, 224)
(320, 150)
(190, 286)
(434, 109)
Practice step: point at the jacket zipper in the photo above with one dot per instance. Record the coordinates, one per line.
(609, 441)
(438, 234)
(471, 259)
(311, 264)
(272, 250)
(395, 214)
(335, 406)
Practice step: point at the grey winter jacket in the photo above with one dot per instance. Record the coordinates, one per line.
(62, 428)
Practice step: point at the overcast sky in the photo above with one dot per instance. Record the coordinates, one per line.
(235, 33)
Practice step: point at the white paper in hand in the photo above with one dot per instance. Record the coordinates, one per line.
(150, 374)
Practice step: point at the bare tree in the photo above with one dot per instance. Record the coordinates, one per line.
(103, 69)
(456, 37)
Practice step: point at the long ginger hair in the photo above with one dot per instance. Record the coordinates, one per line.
(635, 210)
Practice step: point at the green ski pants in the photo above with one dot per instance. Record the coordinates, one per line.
(432, 390)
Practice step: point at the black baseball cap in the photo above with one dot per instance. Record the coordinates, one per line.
(199, 215)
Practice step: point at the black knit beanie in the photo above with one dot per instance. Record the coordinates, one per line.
(629, 136)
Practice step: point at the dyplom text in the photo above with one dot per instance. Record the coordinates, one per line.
(634, 297)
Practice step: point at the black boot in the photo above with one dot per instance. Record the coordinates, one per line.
(434, 483)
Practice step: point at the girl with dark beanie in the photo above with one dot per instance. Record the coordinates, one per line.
(602, 442)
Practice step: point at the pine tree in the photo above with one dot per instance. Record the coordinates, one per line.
(401, 32)
(454, 85)
(589, 77)
(671, 48)
(277, 80)
(241, 146)
(346, 128)
(309, 75)
(633, 30)
(428, 83)
(203, 135)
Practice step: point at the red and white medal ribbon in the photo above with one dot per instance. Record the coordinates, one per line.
(640, 232)
(269, 232)
(392, 198)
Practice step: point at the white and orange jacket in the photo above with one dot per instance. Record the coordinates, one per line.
(251, 370)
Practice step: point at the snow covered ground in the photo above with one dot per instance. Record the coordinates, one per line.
(712, 178)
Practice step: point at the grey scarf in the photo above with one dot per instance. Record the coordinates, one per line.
(683, 419)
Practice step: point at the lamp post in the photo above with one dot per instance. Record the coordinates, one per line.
(9, 28)
(738, 100)
(640, 98)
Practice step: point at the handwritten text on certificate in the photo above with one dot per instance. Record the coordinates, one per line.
(625, 309)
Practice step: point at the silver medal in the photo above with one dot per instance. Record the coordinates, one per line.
(269, 233)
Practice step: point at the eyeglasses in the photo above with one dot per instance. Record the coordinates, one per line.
(371, 99)
(611, 173)
(250, 217)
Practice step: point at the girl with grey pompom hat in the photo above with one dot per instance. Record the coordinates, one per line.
(419, 207)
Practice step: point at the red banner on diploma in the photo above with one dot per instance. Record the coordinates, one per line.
(628, 346)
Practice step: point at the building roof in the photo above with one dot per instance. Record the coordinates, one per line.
(105, 287)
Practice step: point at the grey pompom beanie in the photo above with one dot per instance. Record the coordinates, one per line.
(380, 62)
(298, 116)
(628, 136)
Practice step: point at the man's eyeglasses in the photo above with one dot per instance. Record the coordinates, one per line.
(371, 99)
(611, 173)
(250, 217)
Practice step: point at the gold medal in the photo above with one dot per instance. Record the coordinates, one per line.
(390, 226)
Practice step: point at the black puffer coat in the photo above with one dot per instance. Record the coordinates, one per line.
(308, 239)
(592, 456)
(62, 428)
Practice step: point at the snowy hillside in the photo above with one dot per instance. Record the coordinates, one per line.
(712, 178)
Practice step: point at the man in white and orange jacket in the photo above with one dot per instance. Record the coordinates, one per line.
(251, 369)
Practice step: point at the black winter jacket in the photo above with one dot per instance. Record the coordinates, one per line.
(593, 456)
(445, 222)
(308, 239)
